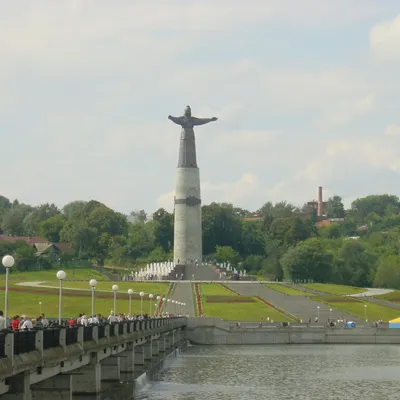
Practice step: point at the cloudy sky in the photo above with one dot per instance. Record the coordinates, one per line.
(306, 91)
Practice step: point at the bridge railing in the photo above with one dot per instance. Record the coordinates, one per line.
(39, 339)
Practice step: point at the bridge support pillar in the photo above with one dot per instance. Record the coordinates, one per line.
(87, 379)
(139, 355)
(111, 369)
(128, 358)
(58, 387)
(148, 352)
(162, 344)
(167, 339)
(155, 350)
(19, 388)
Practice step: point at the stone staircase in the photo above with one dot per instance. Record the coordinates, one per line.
(182, 293)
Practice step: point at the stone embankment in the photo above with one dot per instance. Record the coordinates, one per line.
(212, 331)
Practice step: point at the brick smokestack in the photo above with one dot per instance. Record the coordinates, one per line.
(320, 209)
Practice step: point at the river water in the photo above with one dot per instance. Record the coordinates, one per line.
(301, 372)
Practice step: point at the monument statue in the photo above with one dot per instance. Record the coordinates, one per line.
(187, 202)
(187, 149)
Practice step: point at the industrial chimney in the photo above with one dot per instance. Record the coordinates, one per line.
(320, 204)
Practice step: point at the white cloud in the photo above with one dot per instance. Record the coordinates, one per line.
(85, 89)
(385, 39)
(393, 130)
(347, 110)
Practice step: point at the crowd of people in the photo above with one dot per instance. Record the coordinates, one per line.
(99, 319)
(17, 323)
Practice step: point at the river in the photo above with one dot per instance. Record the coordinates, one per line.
(301, 372)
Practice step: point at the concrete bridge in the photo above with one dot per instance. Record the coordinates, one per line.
(57, 363)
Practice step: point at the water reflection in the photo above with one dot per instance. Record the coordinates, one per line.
(300, 372)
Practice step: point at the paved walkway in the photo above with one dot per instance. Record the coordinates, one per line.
(299, 306)
(183, 294)
(371, 292)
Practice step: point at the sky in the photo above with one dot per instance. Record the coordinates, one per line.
(306, 92)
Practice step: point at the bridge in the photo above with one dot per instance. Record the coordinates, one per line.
(57, 363)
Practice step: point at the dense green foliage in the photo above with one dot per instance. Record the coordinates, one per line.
(361, 250)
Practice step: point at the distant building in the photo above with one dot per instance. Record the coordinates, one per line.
(319, 205)
(253, 218)
(42, 246)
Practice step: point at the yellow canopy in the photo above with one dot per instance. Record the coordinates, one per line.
(395, 321)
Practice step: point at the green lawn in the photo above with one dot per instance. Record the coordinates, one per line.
(146, 287)
(25, 300)
(286, 290)
(338, 290)
(256, 311)
(356, 308)
(81, 274)
(28, 303)
(210, 289)
(80, 280)
(392, 296)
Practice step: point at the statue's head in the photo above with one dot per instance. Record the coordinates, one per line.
(188, 111)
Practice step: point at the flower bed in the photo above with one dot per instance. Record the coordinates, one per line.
(278, 309)
(228, 288)
(198, 299)
(229, 299)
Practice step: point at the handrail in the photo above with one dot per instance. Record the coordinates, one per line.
(39, 339)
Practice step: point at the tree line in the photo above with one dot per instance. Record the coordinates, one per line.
(279, 241)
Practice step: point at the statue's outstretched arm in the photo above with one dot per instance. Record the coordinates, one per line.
(202, 121)
(177, 120)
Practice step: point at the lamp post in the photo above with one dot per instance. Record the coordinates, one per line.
(8, 262)
(173, 306)
(168, 301)
(93, 284)
(158, 305)
(115, 289)
(40, 308)
(141, 294)
(365, 312)
(151, 302)
(162, 306)
(130, 293)
(318, 312)
(61, 275)
(330, 313)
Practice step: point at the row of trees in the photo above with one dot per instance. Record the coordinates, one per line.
(278, 240)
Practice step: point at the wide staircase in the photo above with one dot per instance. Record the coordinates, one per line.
(183, 289)
(202, 273)
(182, 293)
(299, 306)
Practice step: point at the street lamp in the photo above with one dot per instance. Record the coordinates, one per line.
(115, 289)
(93, 284)
(330, 313)
(8, 262)
(141, 294)
(130, 293)
(365, 312)
(173, 306)
(318, 312)
(61, 275)
(151, 302)
(40, 308)
(158, 305)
